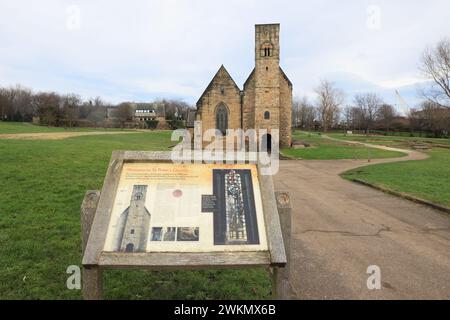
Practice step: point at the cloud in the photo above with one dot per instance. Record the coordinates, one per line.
(144, 49)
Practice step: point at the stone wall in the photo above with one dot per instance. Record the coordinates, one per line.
(249, 103)
(285, 112)
(221, 90)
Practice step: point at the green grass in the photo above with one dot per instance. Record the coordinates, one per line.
(42, 184)
(326, 149)
(389, 140)
(26, 127)
(428, 179)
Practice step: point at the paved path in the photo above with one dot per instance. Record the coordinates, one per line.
(340, 228)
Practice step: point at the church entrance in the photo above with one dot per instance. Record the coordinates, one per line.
(266, 142)
(222, 119)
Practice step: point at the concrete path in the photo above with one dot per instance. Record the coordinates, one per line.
(340, 228)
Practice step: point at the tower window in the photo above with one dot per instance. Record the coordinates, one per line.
(267, 49)
(266, 115)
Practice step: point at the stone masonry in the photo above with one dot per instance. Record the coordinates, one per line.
(132, 228)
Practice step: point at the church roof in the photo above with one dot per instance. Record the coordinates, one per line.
(285, 77)
(221, 69)
(249, 77)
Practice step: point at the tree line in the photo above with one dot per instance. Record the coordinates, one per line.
(19, 103)
(369, 112)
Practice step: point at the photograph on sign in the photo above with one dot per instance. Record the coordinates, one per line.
(163, 207)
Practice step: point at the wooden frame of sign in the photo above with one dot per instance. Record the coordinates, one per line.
(96, 214)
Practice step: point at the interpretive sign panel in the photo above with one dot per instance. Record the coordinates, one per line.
(157, 214)
(164, 207)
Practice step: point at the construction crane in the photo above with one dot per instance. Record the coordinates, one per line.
(404, 108)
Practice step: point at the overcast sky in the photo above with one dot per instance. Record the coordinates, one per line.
(141, 50)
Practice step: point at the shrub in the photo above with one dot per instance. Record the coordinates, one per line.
(152, 124)
(175, 124)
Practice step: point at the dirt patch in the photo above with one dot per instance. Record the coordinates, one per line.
(57, 135)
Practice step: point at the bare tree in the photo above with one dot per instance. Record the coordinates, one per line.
(351, 117)
(4, 104)
(385, 116)
(173, 109)
(368, 105)
(71, 108)
(435, 118)
(329, 100)
(23, 110)
(47, 106)
(295, 112)
(16, 103)
(435, 65)
(97, 115)
(303, 113)
(124, 113)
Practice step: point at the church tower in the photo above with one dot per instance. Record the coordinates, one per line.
(265, 101)
(267, 77)
(133, 225)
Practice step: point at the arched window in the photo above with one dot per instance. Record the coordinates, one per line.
(138, 196)
(222, 118)
(266, 115)
(267, 49)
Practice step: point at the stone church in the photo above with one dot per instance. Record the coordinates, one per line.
(132, 227)
(265, 101)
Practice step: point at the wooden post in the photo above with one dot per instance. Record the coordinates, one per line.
(92, 275)
(282, 285)
(92, 283)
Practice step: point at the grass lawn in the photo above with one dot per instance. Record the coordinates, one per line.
(325, 149)
(428, 179)
(42, 184)
(388, 140)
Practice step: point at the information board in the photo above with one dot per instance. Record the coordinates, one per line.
(164, 207)
(156, 214)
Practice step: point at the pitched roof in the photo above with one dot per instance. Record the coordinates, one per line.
(249, 77)
(286, 77)
(221, 69)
